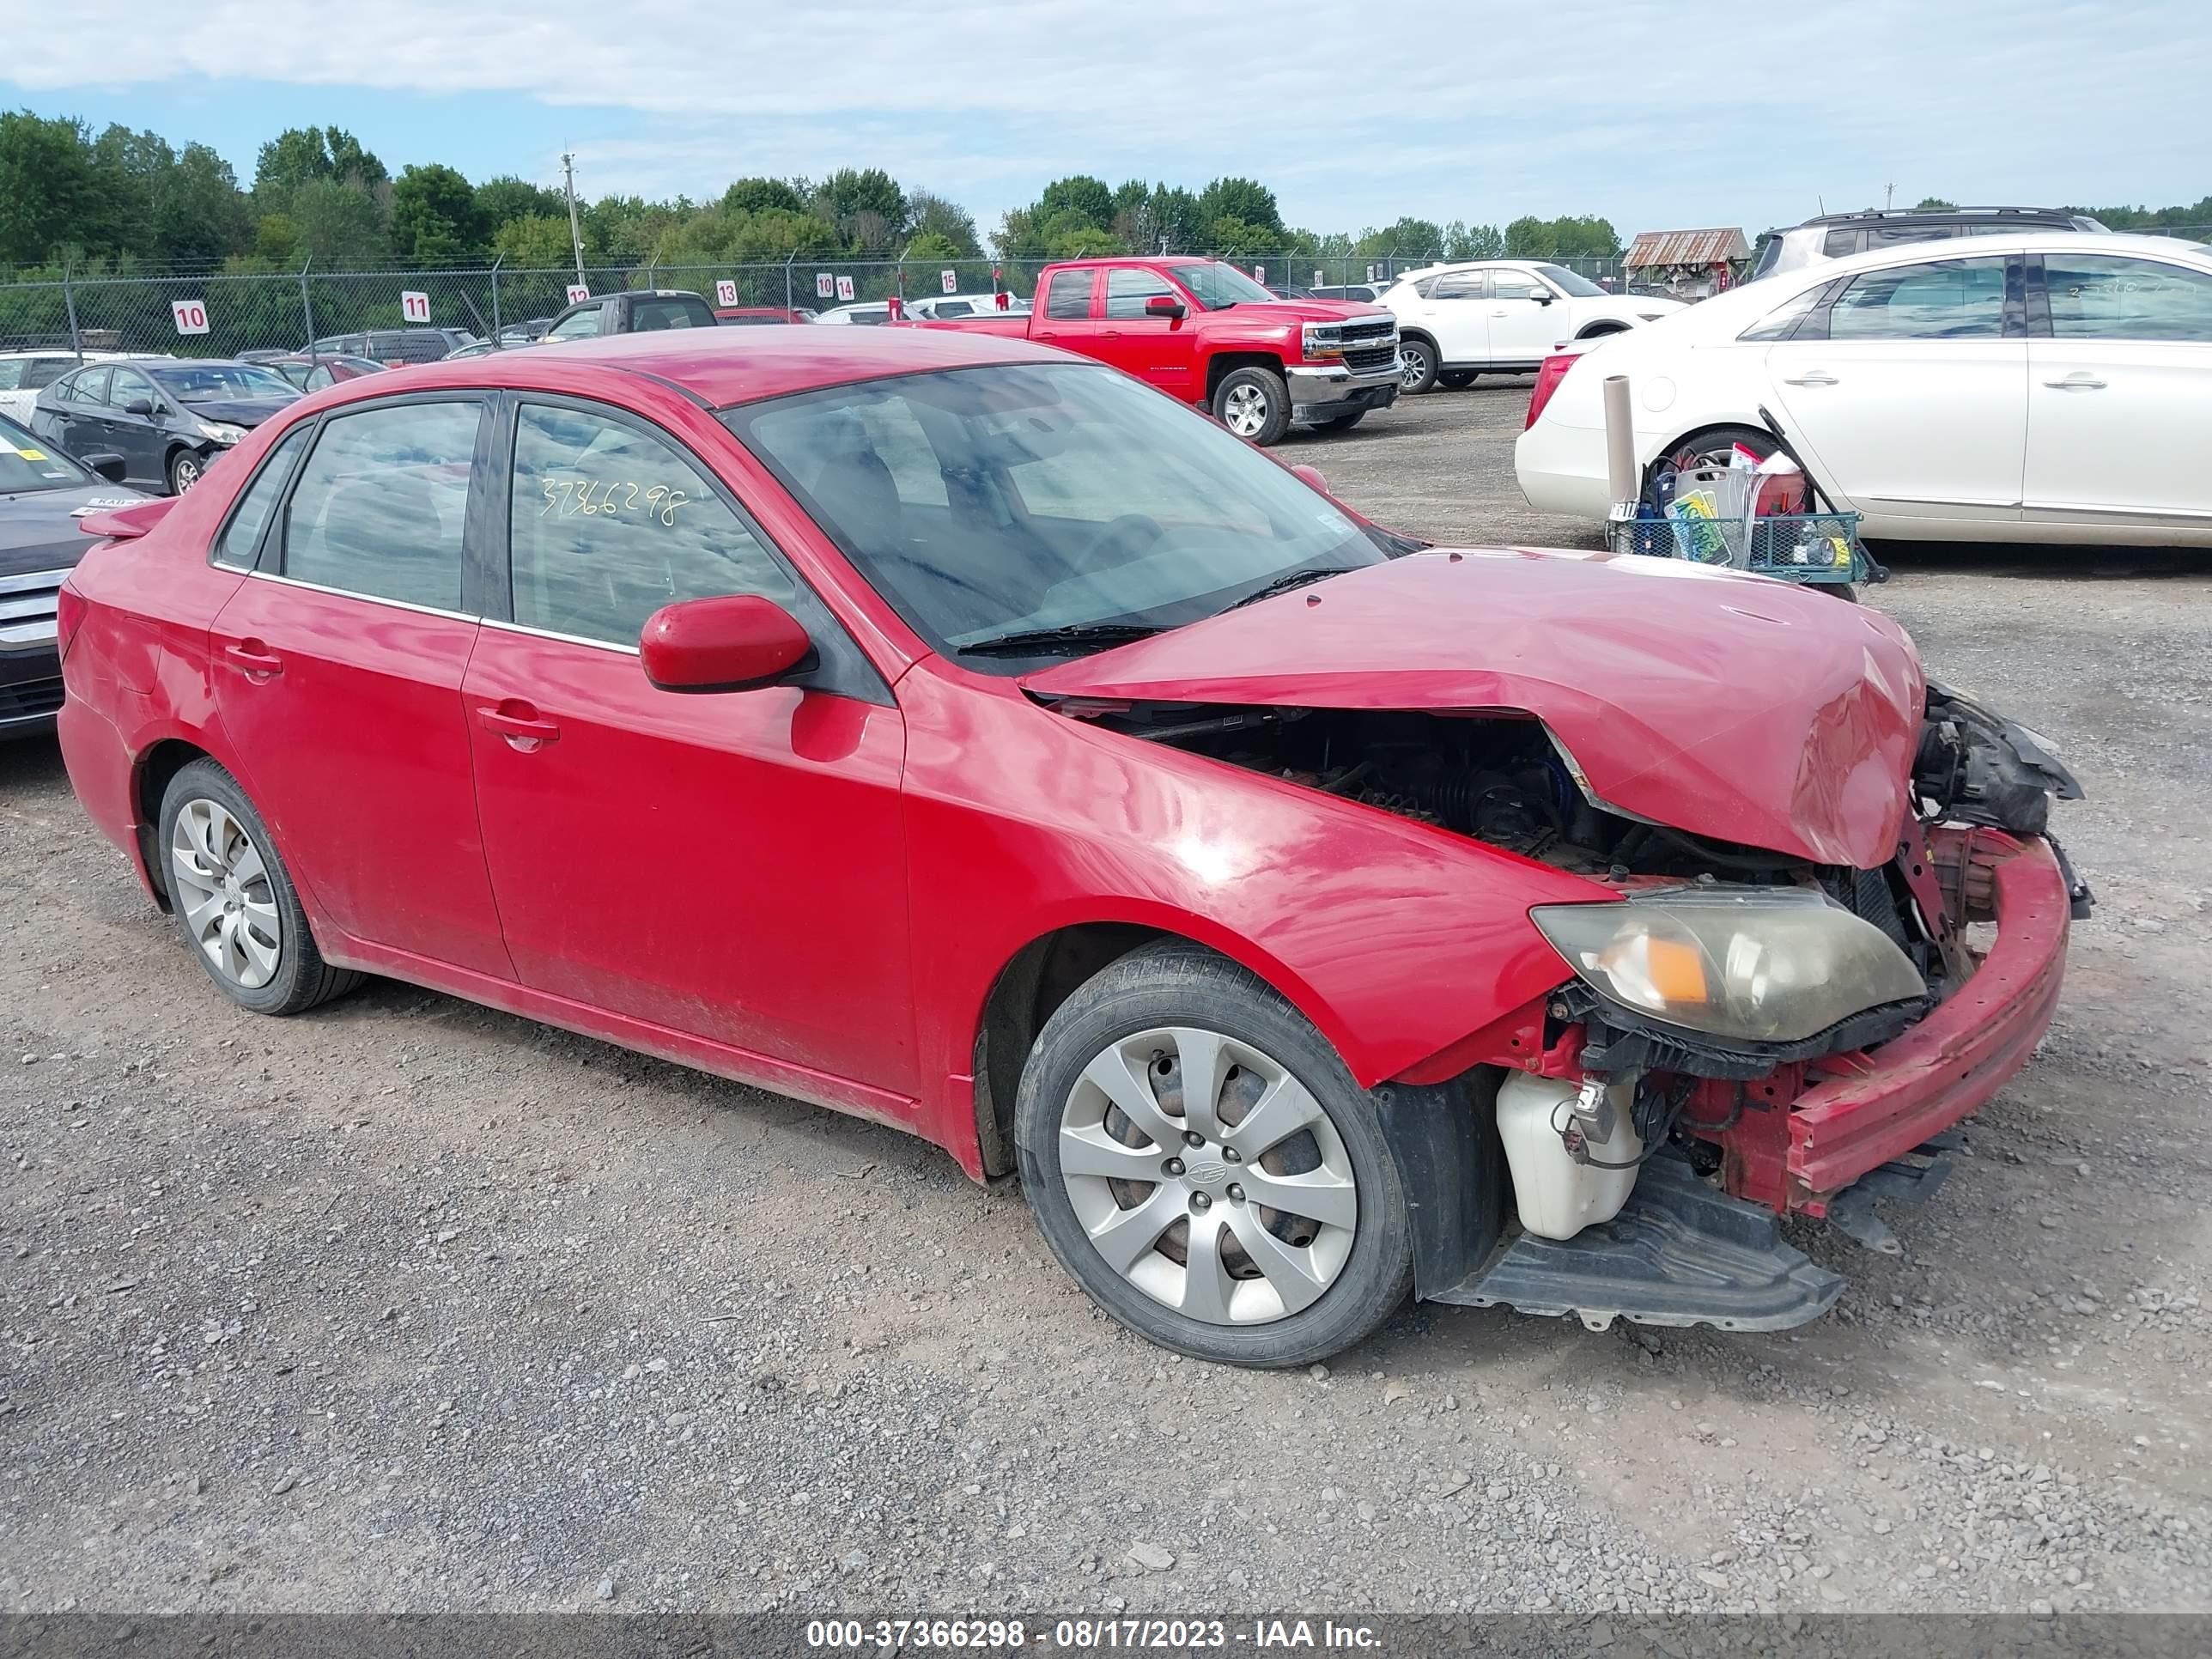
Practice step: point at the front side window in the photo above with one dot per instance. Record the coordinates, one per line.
(1217, 286)
(1568, 283)
(241, 537)
(1072, 497)
(2103, 297)
(1069, 295)
(1130, 286)
(608, 523)
(1944, 300)
(129, 385)
(381, 503)
(1517, 285)
(580, 326)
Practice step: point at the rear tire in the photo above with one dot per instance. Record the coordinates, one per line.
(1712, 447)
(1156, 1223)
(1254, 403)
(1417, 367)
(233, 900)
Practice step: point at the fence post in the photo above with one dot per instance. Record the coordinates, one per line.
(786, 280)
(68, 299)
(495, 301)
(307, 308)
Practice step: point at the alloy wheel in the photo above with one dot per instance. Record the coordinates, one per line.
(1208, 1176)
(1244, 411)
(184, 472)
(1413, 369)
(221, 887)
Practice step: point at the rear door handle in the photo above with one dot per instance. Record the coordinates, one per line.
(520, 723)
(1811, 377)
(2079, 381)
(254, 659)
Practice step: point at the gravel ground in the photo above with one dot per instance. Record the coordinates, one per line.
(410, 1305)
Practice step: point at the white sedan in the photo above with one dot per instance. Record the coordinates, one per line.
(2037, 386)
(1501, 316)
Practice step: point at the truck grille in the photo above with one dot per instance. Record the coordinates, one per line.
(1362, 358)
(27, 606)
(1370, 331)
(29, 700)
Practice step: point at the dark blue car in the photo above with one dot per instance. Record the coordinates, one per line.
(166, 417)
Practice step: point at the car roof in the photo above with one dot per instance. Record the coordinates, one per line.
(2030, 240)
(722, 366)
(1937, 215)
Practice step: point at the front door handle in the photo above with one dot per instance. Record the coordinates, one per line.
(1811, 377)
(1109, 333)
(1048, 334)
(2079, 381)
(255, 661)
(520, 723)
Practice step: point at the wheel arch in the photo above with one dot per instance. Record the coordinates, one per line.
(1602, 325)
(150, 781)
(1222, 364)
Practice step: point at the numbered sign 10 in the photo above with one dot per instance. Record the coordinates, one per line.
(825, 285)
(578, 293)
(844, 288)
(190, 315)
(950, 279)
(413, 306)
(726, 292)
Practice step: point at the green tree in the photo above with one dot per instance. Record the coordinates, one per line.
(1238, 239)
(51, 193)
(1936, 202)
(1466, 241)
(198, 211)
(1241, 198)
(434, 216)
(1078, 197)
(762, 195)
(536, 242)
(932, 248)
(1409, 237)
(931, 214)
(502, 200)
(1077, 240)
(1018, 237)
(865, 204)
(276, 238)
(339, 224)
(300, 155)
(778, 233)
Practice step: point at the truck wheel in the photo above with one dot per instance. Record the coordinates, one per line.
(1341, 423)
(1256, 1217)
(1457, 380)
(1417, 366)
(1254, 403)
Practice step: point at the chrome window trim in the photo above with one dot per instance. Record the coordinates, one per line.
(505, 627)
(348, 593)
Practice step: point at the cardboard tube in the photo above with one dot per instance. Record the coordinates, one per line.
(1620, 441)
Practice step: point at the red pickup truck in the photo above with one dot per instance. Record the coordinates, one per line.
(1210, 334)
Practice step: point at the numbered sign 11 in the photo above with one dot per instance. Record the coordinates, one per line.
(413, 306)
(578, 293)
(950, 279)
(190, 315)
(726, 292)
(825, 285)
(844, 288)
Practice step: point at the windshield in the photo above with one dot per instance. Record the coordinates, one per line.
(27, 463)
(1579, 288)
(1006, 500)
(203, 383)
(1217, 286)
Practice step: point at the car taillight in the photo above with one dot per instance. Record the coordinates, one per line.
(1552, 370)
(70, 607)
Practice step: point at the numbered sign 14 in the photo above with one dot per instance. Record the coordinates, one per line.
(844, 288)
(413, 306)
(578, 293)
(726, 292)
(825, 285)
(190, 315)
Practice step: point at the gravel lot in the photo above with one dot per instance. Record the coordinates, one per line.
(410, 1305)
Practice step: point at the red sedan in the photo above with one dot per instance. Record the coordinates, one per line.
(946, 730)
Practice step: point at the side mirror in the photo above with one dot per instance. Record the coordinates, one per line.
(109, 466)
(1543, 296)
(735, 643)
(1165, 304)
(139, 406)
(1312, 476)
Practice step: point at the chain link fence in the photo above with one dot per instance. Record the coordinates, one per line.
(222, 314)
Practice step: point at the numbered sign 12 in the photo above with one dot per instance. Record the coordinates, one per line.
(726, 292)
(825, 285)
(578, 293)
(844, 288)
(950, 279)
(413, 306)
(190, 315)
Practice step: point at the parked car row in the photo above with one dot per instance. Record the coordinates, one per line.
(165, 419)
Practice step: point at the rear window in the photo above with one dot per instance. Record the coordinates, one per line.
(678, 311)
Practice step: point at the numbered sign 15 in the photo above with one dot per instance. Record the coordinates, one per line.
(844, 288)
(190, 315)
(413, 306)
(950, 279)
(825, 285)
(726, 292)
(578, 293)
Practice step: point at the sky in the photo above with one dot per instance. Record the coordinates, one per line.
(1656, 116)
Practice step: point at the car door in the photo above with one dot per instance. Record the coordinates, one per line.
(1526, 317)
(337, 668)
(1156, 349)
(2119, 379)
(729, 866)
(1911, 398)
(1069, 320)
(137, 426)
(1456, 311)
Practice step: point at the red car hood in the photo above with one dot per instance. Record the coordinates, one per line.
(1730, 705)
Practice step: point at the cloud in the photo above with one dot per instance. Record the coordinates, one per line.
(1480, 110)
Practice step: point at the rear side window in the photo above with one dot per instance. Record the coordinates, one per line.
(241, 537)
(1783, 323)
(649, 315)
(381, 502)
(90, 387)
(1459, 285)
(1840, 244)
(607, 524)
(2099, 297)
(1069, 296)
(1943, 300)
(582, 326)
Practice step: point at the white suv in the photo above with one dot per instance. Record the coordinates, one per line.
(1502, 316)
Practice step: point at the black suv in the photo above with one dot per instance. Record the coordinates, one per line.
(631, 311)
(394, 346)
(1838, 235)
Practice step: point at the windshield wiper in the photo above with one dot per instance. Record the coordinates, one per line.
(1038, 640)
(1284, 584)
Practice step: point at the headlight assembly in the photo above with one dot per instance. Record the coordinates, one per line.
(1773, 964)
(221, 432)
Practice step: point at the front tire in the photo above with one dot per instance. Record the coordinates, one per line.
(1417, 367)
(186, 469)
(1256, 1219)
(1254, 403)
(1457, 380)
(233, 901)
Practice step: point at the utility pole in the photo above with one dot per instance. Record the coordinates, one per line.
(1888, 193)
(575, 236)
